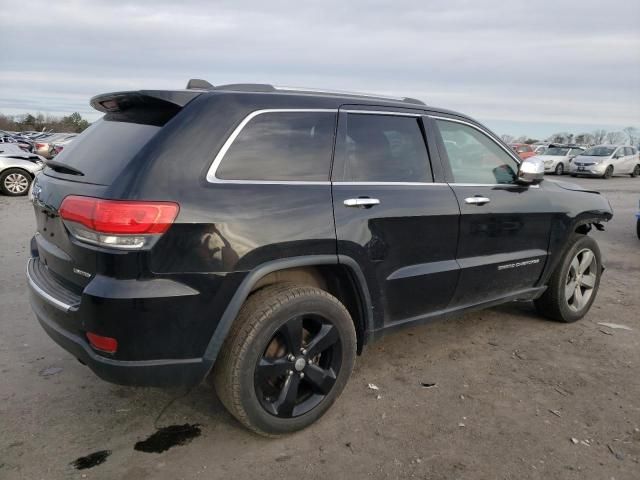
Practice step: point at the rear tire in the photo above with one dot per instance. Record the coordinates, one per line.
(574, 174)
(608, 173)
(15, 182)
(278, 370)
(636, 171)
(574, 284)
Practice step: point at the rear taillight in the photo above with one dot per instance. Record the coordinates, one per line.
(103, 344)
(41, 145)
(122, 224)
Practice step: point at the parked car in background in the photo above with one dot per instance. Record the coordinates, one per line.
(523, 150)
(17, 169)
(539, 149)
(44, 146)
(57, 147)
(265, 236)
(557, 158)
(10, 137)
(607, 160)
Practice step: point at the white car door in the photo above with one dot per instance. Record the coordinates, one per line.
(618, 162)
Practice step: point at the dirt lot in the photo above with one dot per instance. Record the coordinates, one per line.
(511, 392)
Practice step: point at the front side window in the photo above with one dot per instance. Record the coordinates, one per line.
(383, 148)
(281, 146)
(474, 157)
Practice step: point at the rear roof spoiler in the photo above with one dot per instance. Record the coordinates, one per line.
(152, 107)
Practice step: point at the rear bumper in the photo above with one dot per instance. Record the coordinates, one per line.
(61, 317)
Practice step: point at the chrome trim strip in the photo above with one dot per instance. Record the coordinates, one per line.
(482, 130)
(211, 174)
(384, 112)
(65, 307)
(453, 184)
(422, 184)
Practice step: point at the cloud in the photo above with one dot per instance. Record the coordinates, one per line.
(573, 61)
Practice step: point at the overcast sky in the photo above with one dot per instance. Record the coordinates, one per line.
(535, 67)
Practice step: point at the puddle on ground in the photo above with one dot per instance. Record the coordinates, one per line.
(90, 461)
(167, 437)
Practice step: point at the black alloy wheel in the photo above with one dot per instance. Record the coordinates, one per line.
(299, 366)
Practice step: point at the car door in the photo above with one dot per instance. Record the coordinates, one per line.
(629, 163)
(618, 161)
(391, 217)
(504, 226)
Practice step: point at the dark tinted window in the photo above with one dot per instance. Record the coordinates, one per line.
(104, 149)
(628, 151)
(384, 148)
(474, 157)
(282, 146)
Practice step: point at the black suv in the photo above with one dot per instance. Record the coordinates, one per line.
(265, 235)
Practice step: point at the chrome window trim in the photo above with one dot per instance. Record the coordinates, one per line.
(481, 130)
(383, 112)
(211, 173)
(420, 184)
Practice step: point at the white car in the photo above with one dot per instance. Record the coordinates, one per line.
(607, 160)
(557, 159)
(17, 169)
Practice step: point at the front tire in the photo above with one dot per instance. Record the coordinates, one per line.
(559, 169)
(15, 182)
(574, 284)
(636, 171)
(608, 173)
(286, 359)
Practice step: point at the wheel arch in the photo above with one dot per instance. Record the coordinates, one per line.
(338, 275)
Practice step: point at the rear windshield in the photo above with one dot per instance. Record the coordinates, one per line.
(104, 149)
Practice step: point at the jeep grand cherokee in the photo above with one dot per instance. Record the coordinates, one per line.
(263, 236)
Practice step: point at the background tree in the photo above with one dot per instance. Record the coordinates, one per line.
(614, 138)
(73, 123)
(507, 138)
(599, 136)
(633, 133)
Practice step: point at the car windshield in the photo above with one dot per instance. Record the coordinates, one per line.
(556, 151)
(599, 152)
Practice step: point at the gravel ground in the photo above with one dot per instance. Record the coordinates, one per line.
(511, 392)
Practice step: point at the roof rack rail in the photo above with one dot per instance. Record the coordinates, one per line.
(350, 94)
(199, 84)
(196, 83)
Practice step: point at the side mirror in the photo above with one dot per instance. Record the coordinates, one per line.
(531, 171)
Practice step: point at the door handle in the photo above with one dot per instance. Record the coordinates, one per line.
(477, 200)
(361, 202)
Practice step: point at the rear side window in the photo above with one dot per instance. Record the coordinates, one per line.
(384, 148)
(281, 146)
(104, 150)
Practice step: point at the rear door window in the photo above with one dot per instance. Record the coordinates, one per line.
(281, 146)
(382, 148)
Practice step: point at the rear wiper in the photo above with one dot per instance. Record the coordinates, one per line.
(61, 168)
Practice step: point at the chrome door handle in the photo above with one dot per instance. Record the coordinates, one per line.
(361, 202)
(477, 200)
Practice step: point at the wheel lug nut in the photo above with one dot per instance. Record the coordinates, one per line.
(303, 351)
(291, 358)
(301, 374)
(289, 372)
(309, 361)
